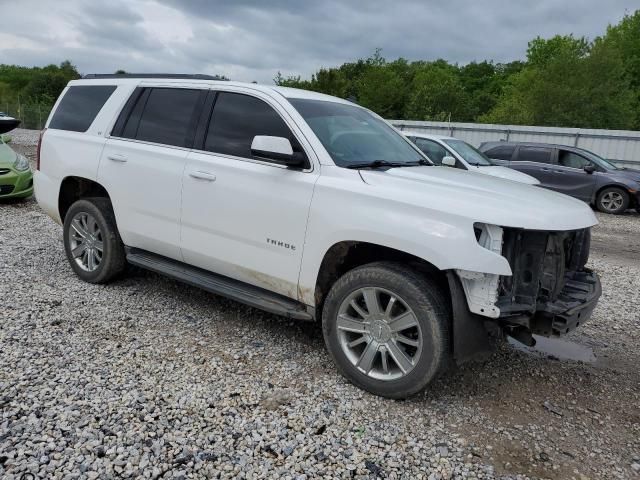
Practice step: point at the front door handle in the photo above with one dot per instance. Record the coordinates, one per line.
(210, 177)
(117, 157)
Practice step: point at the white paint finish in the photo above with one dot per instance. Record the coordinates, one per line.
(494, 171)
(481, 289)
(250, 223)
(271, 226)
(144, 181)
(506, 173)
(267, 143)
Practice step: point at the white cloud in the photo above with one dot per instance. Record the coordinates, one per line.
(254, 39)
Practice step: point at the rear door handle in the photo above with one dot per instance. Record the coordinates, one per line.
(545, 169)
(117, 157)
(209, 177)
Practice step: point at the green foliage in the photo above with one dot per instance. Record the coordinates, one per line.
(29, 93)
(568, 83)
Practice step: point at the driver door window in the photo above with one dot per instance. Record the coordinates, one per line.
(572, 160)
(434, 151)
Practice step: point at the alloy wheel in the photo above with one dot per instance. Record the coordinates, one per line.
(379, 333)
(612, 201)
(85, 241)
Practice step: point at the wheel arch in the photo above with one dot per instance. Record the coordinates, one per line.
(347, 255)
(74, 188)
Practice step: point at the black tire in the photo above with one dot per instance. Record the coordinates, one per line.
(430, 306)
(113, 261)
(603, 206)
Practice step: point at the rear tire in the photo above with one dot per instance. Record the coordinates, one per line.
(391, 351)
(612, 200)
(91, 241)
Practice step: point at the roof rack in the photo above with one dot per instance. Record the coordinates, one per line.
(185, 76)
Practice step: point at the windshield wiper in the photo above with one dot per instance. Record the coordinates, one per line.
(376, 164)
(387, 164)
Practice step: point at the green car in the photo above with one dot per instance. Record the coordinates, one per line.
(16, 179)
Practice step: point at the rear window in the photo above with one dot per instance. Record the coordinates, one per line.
(502, 152)
(534, 154)
(79, 106)
(164, 115)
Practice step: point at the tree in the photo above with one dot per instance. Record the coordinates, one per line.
(437, 94)
(567, 84)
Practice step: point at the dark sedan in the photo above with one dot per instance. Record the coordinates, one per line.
(574, 171)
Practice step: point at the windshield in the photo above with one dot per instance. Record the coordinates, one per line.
(469, 153)
(353, 136)
(598, 160)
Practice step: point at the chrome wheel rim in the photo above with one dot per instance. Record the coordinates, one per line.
(612, 201)
(379, 333)
(85, 241)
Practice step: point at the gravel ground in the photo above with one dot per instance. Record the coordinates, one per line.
(150, 378)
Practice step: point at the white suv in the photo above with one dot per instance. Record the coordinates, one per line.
(314, 208)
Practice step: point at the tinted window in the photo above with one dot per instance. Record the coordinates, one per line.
(534, 154)
(79, 107)
(502, 152)
(573, 160)
(237, 119)
(434, 151)
(167, 116)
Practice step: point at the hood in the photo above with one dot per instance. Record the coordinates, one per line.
(627, 173)
(508, 173)
(481, 198)
(7, 156)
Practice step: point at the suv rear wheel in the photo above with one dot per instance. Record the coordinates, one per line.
(92, 242)
(612, 200)
(386, 327)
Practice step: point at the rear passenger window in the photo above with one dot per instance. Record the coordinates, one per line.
(80, 106)
(236, 119)
(534, 154)
(167, 117)
(503, 152)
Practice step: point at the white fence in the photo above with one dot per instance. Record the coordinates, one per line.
(620, 146)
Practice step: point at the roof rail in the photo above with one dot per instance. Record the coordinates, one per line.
(186, 76)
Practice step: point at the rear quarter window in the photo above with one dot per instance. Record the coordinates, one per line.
(80, 106)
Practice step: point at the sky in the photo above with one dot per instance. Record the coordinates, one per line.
(251, 40)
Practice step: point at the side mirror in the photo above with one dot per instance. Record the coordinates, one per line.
(448, 161)
(278, 150)
(6, 138)
(590, 168)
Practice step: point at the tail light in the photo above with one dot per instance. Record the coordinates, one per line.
(39, 148)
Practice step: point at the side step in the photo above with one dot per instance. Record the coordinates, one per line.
(235, 290)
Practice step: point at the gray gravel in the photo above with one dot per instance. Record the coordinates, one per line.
(149, 378)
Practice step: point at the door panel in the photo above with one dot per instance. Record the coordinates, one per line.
(570, 178)
(142, 169)
(144, 183)
(243, 216)
(246, 220)
(534, 161)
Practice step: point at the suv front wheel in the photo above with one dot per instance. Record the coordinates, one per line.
(92, 242)
(386, 327)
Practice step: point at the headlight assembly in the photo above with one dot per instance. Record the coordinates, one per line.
(21, 164)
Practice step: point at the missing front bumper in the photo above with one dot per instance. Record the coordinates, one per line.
(574, 306)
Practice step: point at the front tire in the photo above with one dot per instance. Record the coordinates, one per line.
(387, 329)
(92, 242)
(612, 200)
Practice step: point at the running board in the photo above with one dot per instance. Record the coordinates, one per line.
(227, 287)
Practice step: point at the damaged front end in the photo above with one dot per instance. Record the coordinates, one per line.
(549, 293)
